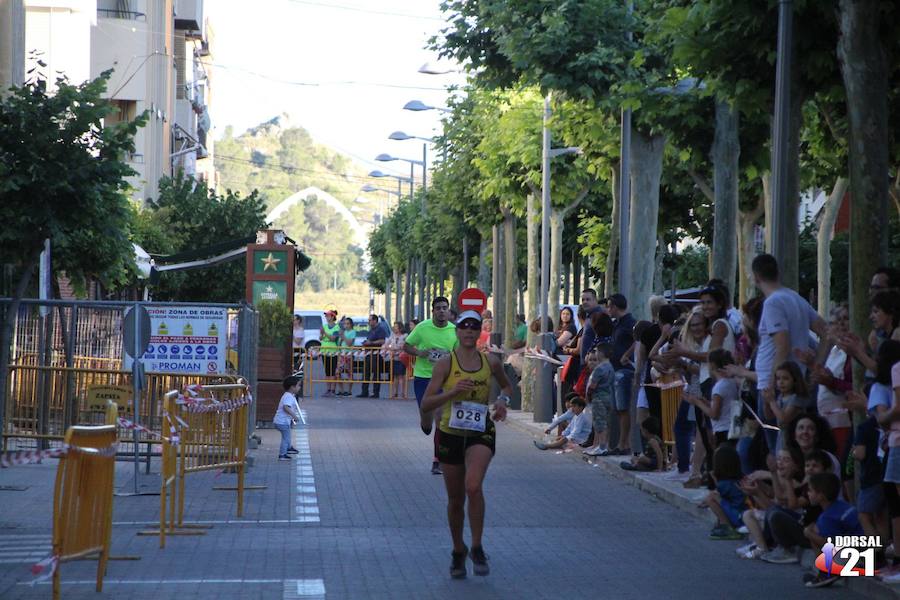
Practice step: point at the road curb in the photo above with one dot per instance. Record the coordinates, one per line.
(523, 421)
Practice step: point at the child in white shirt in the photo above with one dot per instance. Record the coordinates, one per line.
(288, 411)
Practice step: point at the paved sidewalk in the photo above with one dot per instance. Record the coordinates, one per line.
(674, 493)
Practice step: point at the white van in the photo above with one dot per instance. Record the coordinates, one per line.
(312, 326)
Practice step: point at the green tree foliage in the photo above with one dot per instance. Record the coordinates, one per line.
(63, 178)
(279, 159)
(188, 215)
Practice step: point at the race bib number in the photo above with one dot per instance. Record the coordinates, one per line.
(436, 355)
(471, 416)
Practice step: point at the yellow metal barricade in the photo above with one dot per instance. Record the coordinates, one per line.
(204, 430)
(82, 499)
(345, 367)
(671, 388)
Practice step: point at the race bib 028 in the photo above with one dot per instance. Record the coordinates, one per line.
(471, 416)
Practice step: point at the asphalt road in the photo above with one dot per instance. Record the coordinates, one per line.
(359, 515)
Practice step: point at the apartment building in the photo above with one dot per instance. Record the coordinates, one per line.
(158, 51)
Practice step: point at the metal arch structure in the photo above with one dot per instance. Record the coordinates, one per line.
(360, 235)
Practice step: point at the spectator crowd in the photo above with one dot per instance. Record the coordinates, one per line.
(791, 421)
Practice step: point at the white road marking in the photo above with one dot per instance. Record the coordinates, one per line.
(306, 503)
(305, 589)
(24, 548)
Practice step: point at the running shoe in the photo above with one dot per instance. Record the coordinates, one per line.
(458, 564)
(479, 561)
(292, 450)
(284, 457)
(426, 429)
(595, 451)
(436, 468)
(540, 445)
(780, 556)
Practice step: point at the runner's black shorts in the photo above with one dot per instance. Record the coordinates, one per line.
(452, 448)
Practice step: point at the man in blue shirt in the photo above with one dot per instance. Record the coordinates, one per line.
(373, 365)
(623, 339)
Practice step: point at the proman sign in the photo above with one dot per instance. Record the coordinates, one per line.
(186, 339)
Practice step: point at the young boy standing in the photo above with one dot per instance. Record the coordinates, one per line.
(287, 412)
(600, 391)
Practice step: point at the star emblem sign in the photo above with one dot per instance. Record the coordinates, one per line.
(270, 261)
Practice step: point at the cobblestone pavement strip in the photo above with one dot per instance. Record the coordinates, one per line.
(555, 527)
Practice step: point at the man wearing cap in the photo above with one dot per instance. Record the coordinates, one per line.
(467, 440)
(431, 340)
(328, 337)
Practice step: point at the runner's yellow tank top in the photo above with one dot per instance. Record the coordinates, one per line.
(482, 380)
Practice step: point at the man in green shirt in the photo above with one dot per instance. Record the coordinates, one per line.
(431, 340)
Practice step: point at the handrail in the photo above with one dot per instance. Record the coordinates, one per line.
(114, 13)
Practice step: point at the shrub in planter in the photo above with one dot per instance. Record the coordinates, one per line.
(274, 324)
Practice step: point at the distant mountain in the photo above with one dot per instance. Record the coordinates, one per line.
(279, 158)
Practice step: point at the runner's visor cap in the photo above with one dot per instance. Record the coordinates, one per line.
(468, 315)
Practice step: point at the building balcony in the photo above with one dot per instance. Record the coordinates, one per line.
(189, 18)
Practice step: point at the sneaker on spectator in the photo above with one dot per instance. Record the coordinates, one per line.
(743, 530)
(817, 580)
(724, 532)
(780, 556)
(693, 483)
(677, 475)
(595, 451)
(754, 553)
(742, 549)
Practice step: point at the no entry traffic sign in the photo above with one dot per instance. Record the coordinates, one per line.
(473, 299)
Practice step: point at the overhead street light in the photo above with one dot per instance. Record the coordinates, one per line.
(418, 105)
(431, 68)
(371, 188)
(388, 158)
(400, 136)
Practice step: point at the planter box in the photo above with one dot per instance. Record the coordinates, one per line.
(273, 364)
(268, 394)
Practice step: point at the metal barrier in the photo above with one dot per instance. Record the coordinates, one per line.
(42, 402)
(671, 387)
(203, 429)
(82, 500)
(349, 365)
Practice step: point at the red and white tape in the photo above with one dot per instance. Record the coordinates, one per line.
(49, 564)
(27, 457)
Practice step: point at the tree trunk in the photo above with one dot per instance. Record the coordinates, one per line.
(484, 266)
(746, 228)
(865, 73)
(576, 276)
(509, 274)
(6, 331)
(499, 282)
(457, 286)
(533, 285)
(387, 301)
(612, 253)
(726, 152)
(408, 292)
(646, 170)
(558, 218)
(823, 239)
(397, 296)
(658, 266)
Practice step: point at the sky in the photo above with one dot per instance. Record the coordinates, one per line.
(263, 51)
